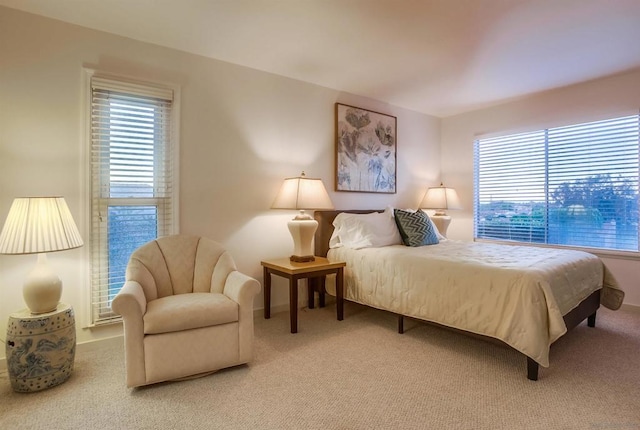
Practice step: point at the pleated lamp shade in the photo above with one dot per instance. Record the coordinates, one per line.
(37, 225)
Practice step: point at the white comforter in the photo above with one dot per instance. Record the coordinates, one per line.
(516, 294)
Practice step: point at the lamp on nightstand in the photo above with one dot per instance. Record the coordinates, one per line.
(302, 193)
(441, 199)
(37, 225)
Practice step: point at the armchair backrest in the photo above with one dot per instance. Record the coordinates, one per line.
(180, 264)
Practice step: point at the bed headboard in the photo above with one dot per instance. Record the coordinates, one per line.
(325, 227)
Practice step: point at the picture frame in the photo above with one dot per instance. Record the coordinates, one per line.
(366, 150)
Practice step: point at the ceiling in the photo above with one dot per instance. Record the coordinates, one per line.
(438, 57)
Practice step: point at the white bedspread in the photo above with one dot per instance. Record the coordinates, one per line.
(517, 294)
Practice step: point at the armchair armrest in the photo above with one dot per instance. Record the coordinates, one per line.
(131, 303)
(241, 288)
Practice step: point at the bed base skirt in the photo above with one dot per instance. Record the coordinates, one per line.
(587, 309)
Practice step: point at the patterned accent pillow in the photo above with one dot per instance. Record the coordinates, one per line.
(415, 228)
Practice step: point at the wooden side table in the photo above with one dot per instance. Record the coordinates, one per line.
(293, 271)
(40, 348)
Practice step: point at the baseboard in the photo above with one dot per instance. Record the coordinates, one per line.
(259, 313)
(631, 308)
(96, 345)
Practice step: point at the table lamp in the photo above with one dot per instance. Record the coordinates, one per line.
(302, 193)
(441, 199)
(37, 225)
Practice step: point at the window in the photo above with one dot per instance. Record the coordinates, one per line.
(575, 186)
(132, 192)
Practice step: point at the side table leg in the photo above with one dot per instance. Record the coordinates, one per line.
(267, 293)
(293, 303)
(340, 293)
(321, 291)
(311, 288)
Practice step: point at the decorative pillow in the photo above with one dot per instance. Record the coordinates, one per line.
(365, 230)
(416, 228)
(435, 227)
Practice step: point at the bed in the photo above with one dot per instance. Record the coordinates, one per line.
(526, 297)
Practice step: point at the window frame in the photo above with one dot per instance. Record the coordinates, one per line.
(97, 251)
(602, 252)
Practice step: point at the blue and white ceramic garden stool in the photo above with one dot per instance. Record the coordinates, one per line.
(40, 348)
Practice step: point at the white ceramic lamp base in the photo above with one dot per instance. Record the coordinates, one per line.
(42, 288)
(441, 222)
(302, 231)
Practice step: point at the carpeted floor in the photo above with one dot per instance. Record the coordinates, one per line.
(360, 374)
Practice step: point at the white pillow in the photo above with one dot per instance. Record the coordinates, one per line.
(365, 230)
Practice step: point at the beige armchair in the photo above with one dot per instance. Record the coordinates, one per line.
(186, 309)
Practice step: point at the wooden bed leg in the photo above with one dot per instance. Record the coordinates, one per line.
(532, 370)
(591, 320)
(400, 324)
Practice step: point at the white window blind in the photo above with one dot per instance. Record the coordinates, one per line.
(575, 185)
(132, 194)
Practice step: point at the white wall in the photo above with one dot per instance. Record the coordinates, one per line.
(610, 97)
(242, 132)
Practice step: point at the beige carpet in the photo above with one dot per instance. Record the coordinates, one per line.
(360, 374)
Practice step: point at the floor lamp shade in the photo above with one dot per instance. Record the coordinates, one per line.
(37, 225)
(302, 193)
(441, 199)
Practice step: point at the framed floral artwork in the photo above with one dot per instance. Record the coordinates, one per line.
(365, 150)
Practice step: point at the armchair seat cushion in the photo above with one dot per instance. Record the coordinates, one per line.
(188, 311)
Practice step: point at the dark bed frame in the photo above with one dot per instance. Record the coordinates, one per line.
(587, 309)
